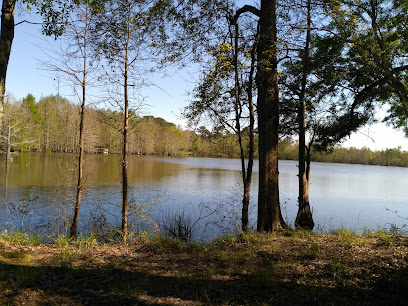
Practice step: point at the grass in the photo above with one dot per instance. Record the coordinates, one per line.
(289, 267)
(23, 237)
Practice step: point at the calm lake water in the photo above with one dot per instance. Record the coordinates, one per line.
(38, 191)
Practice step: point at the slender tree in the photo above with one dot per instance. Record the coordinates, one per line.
(72, 62)
(304, 216)
(122, 28)
(226, 97)
(80, 35)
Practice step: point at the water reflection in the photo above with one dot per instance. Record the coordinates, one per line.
(341, 195)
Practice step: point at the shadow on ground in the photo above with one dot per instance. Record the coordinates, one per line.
(113, 286)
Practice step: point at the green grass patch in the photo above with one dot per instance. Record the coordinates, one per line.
(23, 237)
(385, 236)
(347, 236)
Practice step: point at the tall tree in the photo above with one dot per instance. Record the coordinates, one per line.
(319, 84)
(73, 63)
(225, 96)
(269, 212)
(78, 32)
(304, 216)
(122, 28)
(197, 21)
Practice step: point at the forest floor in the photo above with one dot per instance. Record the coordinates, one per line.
(288, 268)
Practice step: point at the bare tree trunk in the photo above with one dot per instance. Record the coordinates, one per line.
(304, 217)
(125, 147)
(306, 193)
(6, 40)
(269, 212)
(79, 190)
(251, 153)
(8, 144)
(238, 108)
(245, 170)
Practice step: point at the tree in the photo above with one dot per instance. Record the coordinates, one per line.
(269, 212)
(34, 121)
(225, 96)
(18, 124)
(304, 216)
(198, 22)
(73, 63)
(378, 48)
(78, 32)
(122, 32)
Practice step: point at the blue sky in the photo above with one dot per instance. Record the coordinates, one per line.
(166, 100)
(25, 75)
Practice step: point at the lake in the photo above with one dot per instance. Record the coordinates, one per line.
(37, 190)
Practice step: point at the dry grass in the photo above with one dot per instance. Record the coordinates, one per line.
(277, 269)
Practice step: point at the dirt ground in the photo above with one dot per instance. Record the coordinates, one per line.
(285, 269)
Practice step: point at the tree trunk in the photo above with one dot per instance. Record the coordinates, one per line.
(251, 145)
(79, 190)
(304, 217)
(8, 144)
(124, 172)
(238, 108)
(125, 146)
(269, 212)
(6, 40)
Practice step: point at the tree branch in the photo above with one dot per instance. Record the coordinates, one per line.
(245, 9)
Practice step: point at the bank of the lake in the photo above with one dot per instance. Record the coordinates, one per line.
(288, 268)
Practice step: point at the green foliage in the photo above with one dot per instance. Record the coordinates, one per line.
(54, 13)
(364, 156)
(22, 237)
(376, 49)
(66, 257)
(384, 235)
(84, 241)
(30, 104)
(347, 236)
(171, 245)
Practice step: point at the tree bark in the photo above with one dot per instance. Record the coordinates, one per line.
(269, 212)
(304, 218)
(6, 40)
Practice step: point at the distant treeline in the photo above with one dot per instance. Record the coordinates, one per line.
(51, 125)
(364, 156)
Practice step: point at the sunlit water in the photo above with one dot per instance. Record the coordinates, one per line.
(35, 185)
